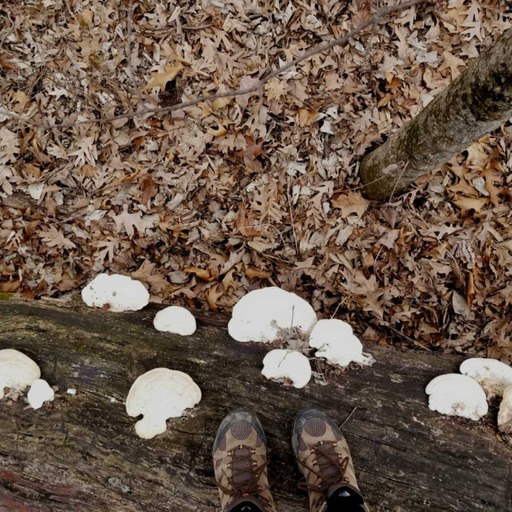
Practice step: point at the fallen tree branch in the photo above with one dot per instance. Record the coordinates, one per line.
(372, 20)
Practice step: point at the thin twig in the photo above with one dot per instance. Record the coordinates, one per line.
(397, 181)
(292, 219)
(348, 417)
(239, 92)
(337, 308)
(128, 50)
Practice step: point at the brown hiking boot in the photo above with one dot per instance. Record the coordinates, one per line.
(324, 459)
(240, 464)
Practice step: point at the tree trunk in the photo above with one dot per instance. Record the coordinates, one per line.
(476, 103)
(82, 454)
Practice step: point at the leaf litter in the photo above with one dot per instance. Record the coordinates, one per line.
(220, 198)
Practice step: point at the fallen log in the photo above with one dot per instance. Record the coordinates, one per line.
(82, 454)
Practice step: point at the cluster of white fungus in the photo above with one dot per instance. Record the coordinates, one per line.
(39, 393)
(175, 319)
(118, 293)
(121, 293)
(158, 395)
(18, 372)
(289, 365)
(466, 394)
(336, 342)
(263, 315)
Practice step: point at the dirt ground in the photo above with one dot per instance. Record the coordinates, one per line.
(212, 201)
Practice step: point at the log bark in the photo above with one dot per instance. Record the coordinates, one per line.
(82, 453)
(476, 103)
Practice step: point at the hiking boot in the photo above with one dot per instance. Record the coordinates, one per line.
(324, 459)
(240, 464)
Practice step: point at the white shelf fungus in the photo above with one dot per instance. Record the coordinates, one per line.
(158, 395)
(17, 371)
(40, 392)
(119, 293)
(335, 341)
(457, 395)
(493, 375)
(505, 412)
(259, 315)
(175, 319)
(287, 365)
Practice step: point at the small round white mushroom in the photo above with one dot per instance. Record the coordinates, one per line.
(259, 315)
(17, 371)
(493, 375)
(119, 293)
(505, 412)
(175, 319)
(286, 365)
(335, 341)
(158, 395)
(457, 395)
(40, 392)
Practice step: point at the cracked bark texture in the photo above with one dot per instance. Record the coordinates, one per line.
(476, 103)
(82, 454)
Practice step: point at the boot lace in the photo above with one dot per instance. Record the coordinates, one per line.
(245, 475)
(331, 468)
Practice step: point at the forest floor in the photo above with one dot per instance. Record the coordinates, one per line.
(207, 203)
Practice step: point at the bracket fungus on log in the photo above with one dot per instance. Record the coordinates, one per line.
(118, 293)
(39, 393)
(493, 375)
(289, 365)
(336, 342)
(261, 314)
(17, 371)
(160, 394)
(457, 395)
(175, 319)
(505, 412)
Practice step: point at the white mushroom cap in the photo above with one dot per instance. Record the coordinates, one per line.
(260, 314)
(505, 412)
(158, 395)
(17, 371)
(120, 293)
(40, 392)
(287, 364)
(493, 375)
(335, 341)
(175, 319)
(457, 395)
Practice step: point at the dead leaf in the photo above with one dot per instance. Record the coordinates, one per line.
(490, 178)
(460, 306)
(350, 202)
(149, 189)
(470, 203)
(161, 79)
(253, 272)
(220, 130)
(204, 274)
(245, 222)
(6, 63)
(452, 62)
(307, 117)
(213, 294)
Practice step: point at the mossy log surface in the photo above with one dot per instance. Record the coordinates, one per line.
(476, 103)
(82, 453)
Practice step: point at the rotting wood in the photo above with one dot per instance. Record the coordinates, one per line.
(476, 103)
(82, 453)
